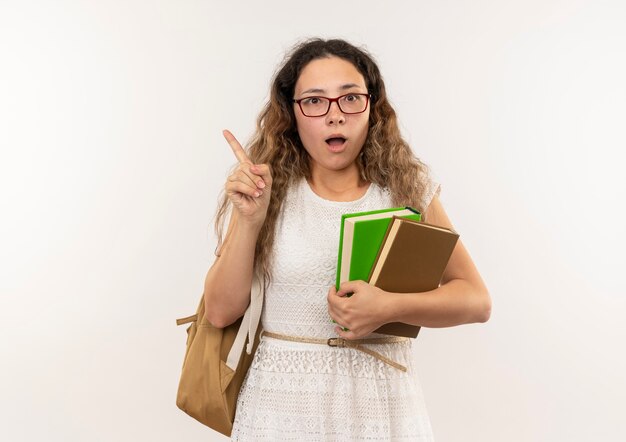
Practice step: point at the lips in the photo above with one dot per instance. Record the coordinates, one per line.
(336, 140)
(336, 143)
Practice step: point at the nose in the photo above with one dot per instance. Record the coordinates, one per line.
(334, 115)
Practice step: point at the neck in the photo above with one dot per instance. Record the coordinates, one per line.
(344, 185)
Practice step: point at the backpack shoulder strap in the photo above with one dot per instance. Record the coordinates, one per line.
(249, 324)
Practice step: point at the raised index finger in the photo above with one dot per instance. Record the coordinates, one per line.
(236, 147)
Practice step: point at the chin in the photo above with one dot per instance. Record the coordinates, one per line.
(335, 161)
(338, 166)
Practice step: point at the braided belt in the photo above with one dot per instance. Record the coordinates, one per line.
(347, 343)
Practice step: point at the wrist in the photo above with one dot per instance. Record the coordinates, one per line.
(247, 226)
(392, 307)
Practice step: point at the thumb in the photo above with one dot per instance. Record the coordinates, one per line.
(349, 287)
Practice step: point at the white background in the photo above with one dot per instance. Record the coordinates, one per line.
(112, 161)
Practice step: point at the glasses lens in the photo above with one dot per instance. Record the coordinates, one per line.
(314, 106)
(353, 103)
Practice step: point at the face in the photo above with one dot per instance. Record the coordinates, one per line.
(334, 140)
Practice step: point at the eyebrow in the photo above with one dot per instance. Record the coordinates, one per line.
(321, 91)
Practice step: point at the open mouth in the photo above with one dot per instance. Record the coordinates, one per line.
(335, 141)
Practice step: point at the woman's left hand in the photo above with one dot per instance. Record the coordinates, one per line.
(361, 313)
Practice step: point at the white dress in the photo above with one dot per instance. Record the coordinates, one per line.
(312, 392)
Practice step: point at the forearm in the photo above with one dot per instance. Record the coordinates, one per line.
(228, 282)
(454, 303)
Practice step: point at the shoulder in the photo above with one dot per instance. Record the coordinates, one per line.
(429, 189)
(380, 196)
(436, 214)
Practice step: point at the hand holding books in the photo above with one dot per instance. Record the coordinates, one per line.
(358, 315)
(411, 258)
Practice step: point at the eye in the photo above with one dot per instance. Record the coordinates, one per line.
(310, 100)
(352, 98)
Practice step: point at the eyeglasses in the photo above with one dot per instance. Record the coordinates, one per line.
(319, 106)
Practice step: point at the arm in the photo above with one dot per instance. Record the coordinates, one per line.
(462, 297)
(229, 280)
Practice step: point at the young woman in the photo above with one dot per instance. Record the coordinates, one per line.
(326, 144)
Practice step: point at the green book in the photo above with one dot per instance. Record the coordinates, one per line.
(360, 238)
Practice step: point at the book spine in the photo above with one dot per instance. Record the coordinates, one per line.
(343, 220)
(380, 249)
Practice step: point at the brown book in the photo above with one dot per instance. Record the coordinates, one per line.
(411, 259)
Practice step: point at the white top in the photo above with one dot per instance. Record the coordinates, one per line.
(312, 392)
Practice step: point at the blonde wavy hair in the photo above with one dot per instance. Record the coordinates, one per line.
(386, 159)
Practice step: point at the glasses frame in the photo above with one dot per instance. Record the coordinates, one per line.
(334, 100)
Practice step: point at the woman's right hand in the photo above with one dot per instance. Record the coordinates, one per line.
(249, 187)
